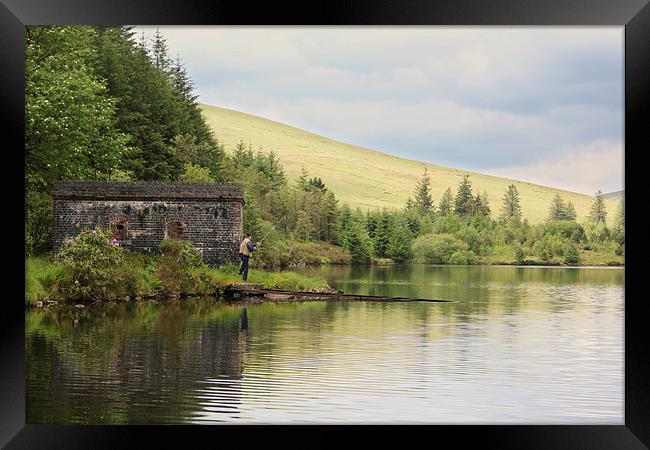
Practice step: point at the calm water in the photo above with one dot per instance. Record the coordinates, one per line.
(519, 345)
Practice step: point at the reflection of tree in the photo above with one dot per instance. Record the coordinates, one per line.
(129, 363)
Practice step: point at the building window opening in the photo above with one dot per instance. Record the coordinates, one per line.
(176, 230)
(120, 231)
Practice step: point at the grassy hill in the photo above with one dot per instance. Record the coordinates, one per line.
(372, 179)
(614, 196)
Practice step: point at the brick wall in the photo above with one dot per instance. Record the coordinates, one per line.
(142, 214)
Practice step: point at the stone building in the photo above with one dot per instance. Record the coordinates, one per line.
(141, 214)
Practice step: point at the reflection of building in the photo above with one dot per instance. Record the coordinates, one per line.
(140, 214)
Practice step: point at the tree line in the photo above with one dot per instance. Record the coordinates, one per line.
(462, 229)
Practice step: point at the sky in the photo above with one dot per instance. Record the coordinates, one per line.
(537, 104)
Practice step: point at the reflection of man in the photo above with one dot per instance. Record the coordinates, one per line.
(245, 250)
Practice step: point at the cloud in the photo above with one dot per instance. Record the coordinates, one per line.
(587, 168)
(473, 98)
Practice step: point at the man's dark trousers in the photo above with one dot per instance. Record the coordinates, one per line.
(244, 266)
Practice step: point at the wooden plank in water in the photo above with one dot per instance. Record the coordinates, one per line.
(278, 295)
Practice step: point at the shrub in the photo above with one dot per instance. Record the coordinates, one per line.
(520, 255)
(546, 253)
(175, 265)
(462, 257)
(436, 248)
(93, 260)
(571, 255)
(184, 253)
(38, 224)
(137, 276)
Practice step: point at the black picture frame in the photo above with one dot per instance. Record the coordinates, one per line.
(634, 15)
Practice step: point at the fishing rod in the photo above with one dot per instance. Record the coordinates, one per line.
(260, 241)
(268, 232)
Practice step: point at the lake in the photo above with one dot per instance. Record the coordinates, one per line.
(517, 345)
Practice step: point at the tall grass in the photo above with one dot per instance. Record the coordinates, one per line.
(138, 276)
(42, 279)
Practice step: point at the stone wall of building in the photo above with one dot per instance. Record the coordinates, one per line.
(141, 214)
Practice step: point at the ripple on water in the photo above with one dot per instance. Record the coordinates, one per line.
(512, 351)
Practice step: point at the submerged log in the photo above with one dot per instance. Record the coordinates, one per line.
(258, 295)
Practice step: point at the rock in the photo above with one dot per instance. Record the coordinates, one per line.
(127, 298)
(138, 298)
(79, 306)
(39, 304)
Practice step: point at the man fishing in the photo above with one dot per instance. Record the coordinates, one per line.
(246, 248)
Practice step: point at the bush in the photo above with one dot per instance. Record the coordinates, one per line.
(93, 260)
(520, 255)
(184, 253)
(175, 265)
(39, 223)
(436, 248)
(137, 276)
(571, 255)
(463, 257)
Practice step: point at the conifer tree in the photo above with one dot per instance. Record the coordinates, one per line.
(382, 234)
(557, 210)
(445, 203)
(159, 51)
(303, 180)
(399, 242)
(304, 228)
(511, 209)
(465, 204)
(331, 219)
(356, 240)
(598, 212)
(483, 205)
(570, 211)
(423, 201)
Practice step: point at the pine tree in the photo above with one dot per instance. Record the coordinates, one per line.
(399, 243)
(382, 234)
(355, 239)
(598, 212)
(483, 205)
(303, 180)
(304, 228)
(159, 51)
(445, 203)
(465, 204)
(511, 209)
(570, 211)
(181, 81)
(423, 201)
(557, 210)
(331, 219)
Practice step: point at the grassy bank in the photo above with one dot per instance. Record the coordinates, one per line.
(143, 276)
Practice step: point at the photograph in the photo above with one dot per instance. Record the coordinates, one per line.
(324, 225)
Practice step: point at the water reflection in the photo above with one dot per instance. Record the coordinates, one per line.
(520, 345)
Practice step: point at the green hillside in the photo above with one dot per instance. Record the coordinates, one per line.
(372, 179)
(614, 196)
